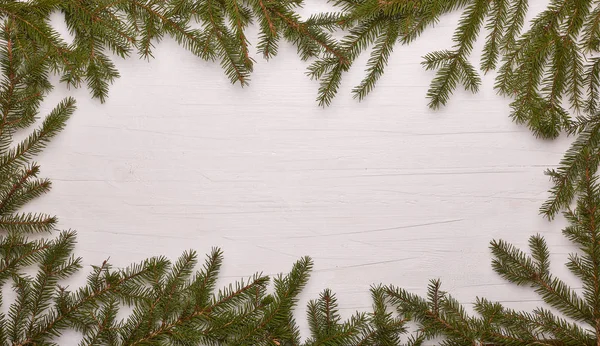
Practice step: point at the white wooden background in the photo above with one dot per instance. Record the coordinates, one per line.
(382, 191)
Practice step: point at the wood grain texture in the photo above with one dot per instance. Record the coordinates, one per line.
(382, 191)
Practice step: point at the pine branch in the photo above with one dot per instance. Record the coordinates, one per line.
(27, 223)
(495, 26)
(379, 58)
(277, 322)
(51, 126)
(516, 267)
(448, 76)
(18, 253)
(35, 28)
(441, 316)
(581, 159)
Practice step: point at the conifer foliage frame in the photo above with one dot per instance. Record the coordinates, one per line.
(555, 90)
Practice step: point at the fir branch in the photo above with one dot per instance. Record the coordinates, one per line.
(495, 26)
(514, 24)
(442, 316)
(581, 159)
(515, 267)
(27, 223)
(458, 68)
(378, 61)
(592, 81)
(35, 28)
(51, 126)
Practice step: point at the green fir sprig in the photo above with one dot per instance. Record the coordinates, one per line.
(574, 317)
(548, 70)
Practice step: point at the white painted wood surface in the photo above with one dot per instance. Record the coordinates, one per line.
(383, 191)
